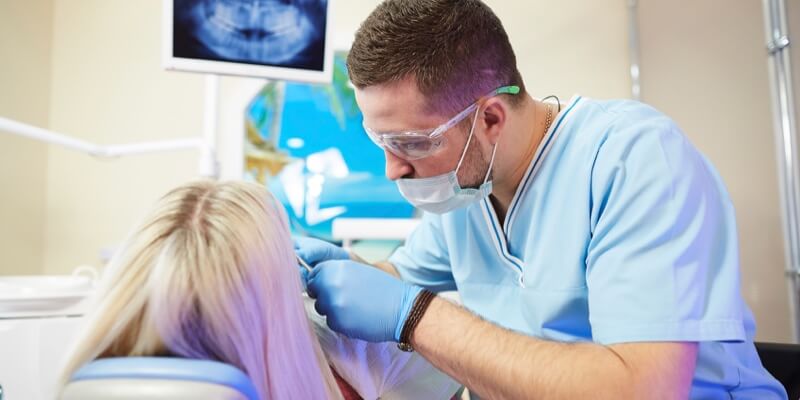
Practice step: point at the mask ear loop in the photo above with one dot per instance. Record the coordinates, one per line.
(491, 163)
(469, 138)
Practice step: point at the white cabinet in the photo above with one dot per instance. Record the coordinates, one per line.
(39, 317)
(31, 353)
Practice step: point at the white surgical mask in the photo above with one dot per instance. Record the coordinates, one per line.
(442, 193)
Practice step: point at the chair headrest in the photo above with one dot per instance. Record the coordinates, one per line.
(168, 368)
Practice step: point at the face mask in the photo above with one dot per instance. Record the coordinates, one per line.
(442, 193)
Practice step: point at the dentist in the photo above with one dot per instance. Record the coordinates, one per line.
(593, 247)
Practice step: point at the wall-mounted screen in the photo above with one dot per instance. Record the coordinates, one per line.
(274, 39)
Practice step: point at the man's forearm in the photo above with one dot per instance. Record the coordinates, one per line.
(501, 364)
(387, 267)
(384, 266)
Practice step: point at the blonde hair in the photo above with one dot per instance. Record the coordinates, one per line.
(211, 274)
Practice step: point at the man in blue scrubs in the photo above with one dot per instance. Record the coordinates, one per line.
(593, 247)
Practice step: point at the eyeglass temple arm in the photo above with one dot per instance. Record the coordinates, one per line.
(512, 89)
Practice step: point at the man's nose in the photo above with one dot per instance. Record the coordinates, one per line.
(396, 167)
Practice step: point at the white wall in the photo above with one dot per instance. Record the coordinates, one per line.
(704, 63)
(570, 46)
(25, 44)
(108, 87)
(563, 47)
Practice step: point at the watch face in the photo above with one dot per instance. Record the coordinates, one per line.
(405, 347)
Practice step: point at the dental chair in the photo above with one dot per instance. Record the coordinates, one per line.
(782, 360)
(158, 378)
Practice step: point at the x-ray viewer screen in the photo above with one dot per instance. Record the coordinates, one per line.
(279, 33)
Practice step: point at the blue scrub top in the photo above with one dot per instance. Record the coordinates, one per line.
(620, 231)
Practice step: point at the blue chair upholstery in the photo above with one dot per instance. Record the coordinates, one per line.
(161, 369)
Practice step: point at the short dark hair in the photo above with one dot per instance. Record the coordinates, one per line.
(456, 50)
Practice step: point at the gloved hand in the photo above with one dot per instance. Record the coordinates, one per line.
(313, 251)
(361, 301)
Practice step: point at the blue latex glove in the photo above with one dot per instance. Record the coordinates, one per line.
(361, 301)
(313, 251)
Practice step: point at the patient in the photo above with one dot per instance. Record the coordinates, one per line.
(211, 274)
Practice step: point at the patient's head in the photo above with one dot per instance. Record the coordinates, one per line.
(211, 274)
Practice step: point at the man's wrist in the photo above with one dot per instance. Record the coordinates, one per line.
(384, 266)
(420, 305)
(355, 257)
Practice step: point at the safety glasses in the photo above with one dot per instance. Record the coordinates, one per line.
(413, 145)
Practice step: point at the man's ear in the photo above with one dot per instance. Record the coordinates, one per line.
(494, 116)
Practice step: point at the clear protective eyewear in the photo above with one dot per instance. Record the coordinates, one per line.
(414, 145)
